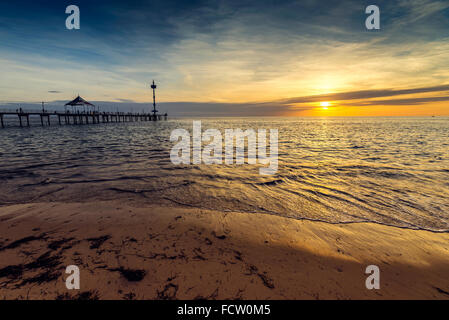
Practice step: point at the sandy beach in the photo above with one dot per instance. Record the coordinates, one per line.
(149, 252)
(224, 150)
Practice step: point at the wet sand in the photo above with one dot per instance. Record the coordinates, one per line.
(150, 252)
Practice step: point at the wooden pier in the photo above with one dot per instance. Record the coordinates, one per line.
(78, 118)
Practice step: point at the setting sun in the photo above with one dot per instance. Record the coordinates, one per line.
(325, 105)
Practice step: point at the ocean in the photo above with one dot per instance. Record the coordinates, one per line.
(387, 170)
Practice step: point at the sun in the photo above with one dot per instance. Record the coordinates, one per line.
(325, 105)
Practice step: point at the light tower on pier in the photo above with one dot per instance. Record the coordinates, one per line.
(153, 86)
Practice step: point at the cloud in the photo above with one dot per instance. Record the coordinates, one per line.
(367, 94)
(248, 57)
(125, 100)
(282, 107)
(399, 102)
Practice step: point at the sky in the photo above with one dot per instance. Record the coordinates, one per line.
(229, 58)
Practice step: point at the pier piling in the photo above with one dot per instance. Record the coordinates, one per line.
(78, 118)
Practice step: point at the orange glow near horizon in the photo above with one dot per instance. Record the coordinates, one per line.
(431, 109)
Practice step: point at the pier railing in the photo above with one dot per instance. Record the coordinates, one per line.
(76, 118)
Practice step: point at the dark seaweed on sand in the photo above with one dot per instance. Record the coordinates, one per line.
(130, 274)
(95, 243)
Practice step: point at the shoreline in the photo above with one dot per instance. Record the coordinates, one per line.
(151, 252)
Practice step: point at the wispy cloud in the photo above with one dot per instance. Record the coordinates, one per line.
(254, 55)
(366, 94)
(398, 102)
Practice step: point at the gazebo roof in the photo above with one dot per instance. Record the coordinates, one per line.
(78, 101)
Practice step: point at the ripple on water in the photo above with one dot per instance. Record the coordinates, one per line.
(386, 170)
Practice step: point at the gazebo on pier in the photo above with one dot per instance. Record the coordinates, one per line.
(78, 101)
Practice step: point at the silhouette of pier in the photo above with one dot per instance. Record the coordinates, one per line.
(78, 118)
